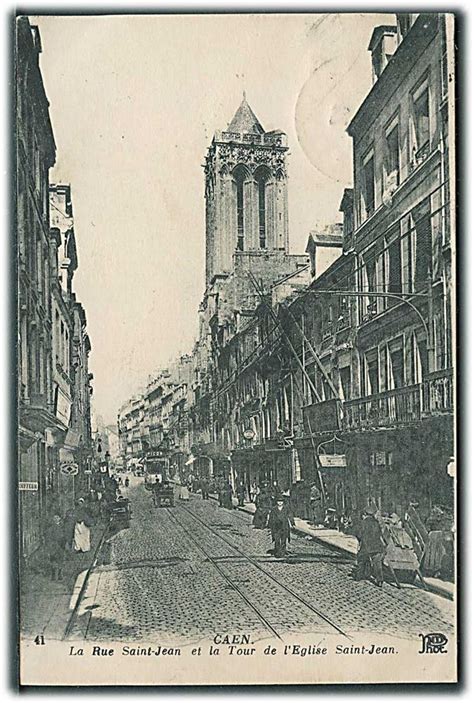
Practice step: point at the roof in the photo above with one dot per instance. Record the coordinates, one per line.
(245, 120)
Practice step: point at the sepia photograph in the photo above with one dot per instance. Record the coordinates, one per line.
(235, 298)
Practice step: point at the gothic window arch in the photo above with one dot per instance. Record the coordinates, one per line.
(240, 176)
(262, 176)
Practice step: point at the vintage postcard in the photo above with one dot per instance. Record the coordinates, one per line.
(236, 403)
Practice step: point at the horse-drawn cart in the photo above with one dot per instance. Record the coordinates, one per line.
(163, 494)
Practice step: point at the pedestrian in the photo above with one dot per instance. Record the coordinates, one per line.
(82, 531)
(55, 538)
(241, 493)
(316, 504)
(253, 491)
(184, 492)
(263, 505)
(205, 488)
(227, 497)
(69, 523)
(280, 523)
(127, 482)
(275, 492)
(371, 548)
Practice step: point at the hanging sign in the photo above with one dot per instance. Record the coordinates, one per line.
(69, 468)
(333, 461)
(28, 485)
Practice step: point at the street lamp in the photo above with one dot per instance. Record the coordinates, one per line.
(403, 298)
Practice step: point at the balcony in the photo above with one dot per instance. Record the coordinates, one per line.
(401, 406)
(438, 392)
(268, 139)
(322, 417)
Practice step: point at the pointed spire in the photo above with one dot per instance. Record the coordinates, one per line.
(245, 119)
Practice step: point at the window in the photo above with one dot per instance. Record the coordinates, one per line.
(383, 373)
(381, 283)
(421, 125)
(393, 160)
(368, 304)
(422, 222)
(240, 216)
(239, 178)
(368, 186)
(394, 267)
(372, 367)
(261, 214)
(345, 376)
(407, 252)
(397, 363)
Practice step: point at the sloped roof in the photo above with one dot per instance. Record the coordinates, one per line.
(245, 120)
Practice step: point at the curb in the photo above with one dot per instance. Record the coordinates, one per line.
(85, 582)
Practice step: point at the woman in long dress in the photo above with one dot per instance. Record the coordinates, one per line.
(184, 492)
(82, 532)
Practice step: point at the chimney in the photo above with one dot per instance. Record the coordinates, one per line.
(382, 46)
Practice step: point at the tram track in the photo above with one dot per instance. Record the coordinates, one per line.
(392, 592)
(224, 575)
(289, 591)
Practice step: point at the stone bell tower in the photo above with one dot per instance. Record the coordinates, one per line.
(246, 192)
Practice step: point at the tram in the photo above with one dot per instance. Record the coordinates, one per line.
(156, 469)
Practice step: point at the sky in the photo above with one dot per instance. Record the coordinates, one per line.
(134, 103)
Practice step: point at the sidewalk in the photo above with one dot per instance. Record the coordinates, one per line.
(46, 606)
(346, 543)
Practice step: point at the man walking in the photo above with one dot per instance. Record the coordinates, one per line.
(205, 489)
(280, 522)
(371, 548)
(241, 493)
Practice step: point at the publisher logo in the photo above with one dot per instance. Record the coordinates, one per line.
(433, 643)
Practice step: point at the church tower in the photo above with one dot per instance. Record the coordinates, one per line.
(246, 192)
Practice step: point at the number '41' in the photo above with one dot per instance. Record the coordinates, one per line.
(39, 639)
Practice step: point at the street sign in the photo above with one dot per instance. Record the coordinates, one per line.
(333, 461)
(28, 485)
(69, 468)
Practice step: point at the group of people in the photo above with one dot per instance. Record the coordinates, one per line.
(71, 534)
(68, 535)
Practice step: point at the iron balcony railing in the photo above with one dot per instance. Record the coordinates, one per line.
(438, 392)
(400, 406)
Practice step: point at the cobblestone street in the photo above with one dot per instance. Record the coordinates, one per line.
(189, 572)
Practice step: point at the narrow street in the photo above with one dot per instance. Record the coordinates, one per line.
(185, 573)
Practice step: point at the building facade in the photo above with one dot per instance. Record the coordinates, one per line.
(48, 385)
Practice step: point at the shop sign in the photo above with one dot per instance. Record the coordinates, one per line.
(333, 461)
(381, 459)
(28, 485)
(62, 406)
(154, 455)
(69, 468)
